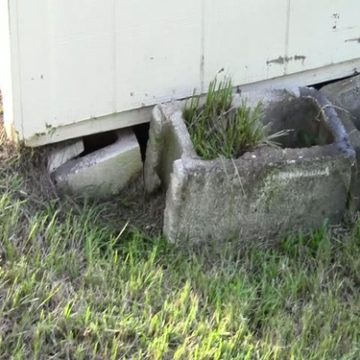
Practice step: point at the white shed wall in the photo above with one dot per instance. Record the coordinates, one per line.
(84, 66)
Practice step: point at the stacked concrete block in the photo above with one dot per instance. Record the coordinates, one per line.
(266, 193)
(63, 152)
(104, 172)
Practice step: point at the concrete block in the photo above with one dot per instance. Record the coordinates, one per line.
(345, 96)
(354, 136)
(63, 152)
(104, 172)
(266, 193)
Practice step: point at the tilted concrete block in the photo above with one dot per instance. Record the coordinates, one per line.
(266, 193)
(63, 152)
(104, 172)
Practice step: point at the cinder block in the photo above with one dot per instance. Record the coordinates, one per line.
(345, 96)
(63, 152)
(263, 195)
(104, 172)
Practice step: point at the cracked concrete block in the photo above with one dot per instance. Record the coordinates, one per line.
(345, 96)
(104, 172)
(266, 193)
(63, 152)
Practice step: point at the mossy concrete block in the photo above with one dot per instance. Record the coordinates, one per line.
(104, 172)
(263, 195)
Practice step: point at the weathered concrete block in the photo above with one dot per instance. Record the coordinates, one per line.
(345, 96)
(63, 152)
(104, 172)
(263, 195)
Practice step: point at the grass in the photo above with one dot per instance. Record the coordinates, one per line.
(217, 128)
(75, 287)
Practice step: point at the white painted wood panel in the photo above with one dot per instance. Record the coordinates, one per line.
(157, 51)
(241, 36)
(322, 32)
(84, 66)
(81, 52)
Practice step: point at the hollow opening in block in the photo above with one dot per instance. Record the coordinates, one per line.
(303, 122)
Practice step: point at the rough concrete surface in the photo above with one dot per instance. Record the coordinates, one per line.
(266, 193)
(345, 96)
(104, 172)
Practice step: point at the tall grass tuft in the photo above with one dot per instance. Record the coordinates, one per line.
(217, 128)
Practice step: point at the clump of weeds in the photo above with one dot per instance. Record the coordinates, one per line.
(217, 128)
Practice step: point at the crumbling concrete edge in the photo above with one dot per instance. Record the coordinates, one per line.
(159, 127)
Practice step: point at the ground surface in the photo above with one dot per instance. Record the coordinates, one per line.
(73, 285)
